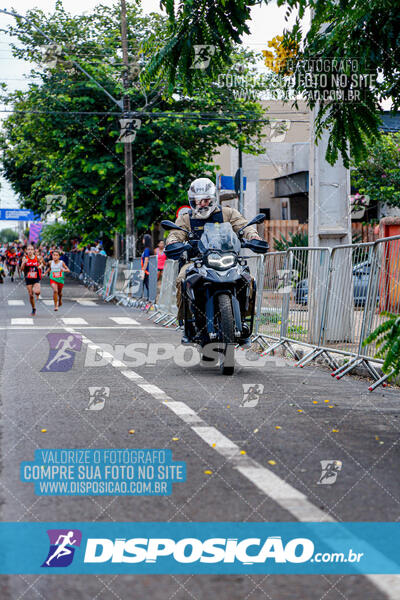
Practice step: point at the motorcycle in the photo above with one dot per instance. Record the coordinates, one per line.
(218, 292)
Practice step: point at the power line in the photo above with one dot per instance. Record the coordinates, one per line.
(159, 115)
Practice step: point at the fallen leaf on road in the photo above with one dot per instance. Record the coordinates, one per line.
(335, 430)
(299, 410)
(175, 439)
(243, 452)
(278, 427)
(207, 472)
(326, 400)
(256, 430)
(272, 462)
(315, 401)
(43, 430)
(131, 431)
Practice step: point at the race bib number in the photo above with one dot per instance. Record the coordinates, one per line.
(57, 274)
(32, 274)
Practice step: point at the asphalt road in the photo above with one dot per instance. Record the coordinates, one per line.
(237, 454)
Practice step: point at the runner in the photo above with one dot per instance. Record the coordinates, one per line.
(20, 253)
(11, 260)
(31, 267)
(57, 268)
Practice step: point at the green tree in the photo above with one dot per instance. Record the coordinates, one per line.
(61, 139)
(8, 235)
(362, 35)
(379, 175)
(58, 233)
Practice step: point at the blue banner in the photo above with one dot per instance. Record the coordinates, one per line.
(17, 214)
(191, 548)
(228, 183)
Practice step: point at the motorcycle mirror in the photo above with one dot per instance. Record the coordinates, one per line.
(171, 225)
(257, 219)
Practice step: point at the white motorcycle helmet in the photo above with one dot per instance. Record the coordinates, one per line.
(202, 189)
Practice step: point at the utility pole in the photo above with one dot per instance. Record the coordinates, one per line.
(130, 235)
(241, 203)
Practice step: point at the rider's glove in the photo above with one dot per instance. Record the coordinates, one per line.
(175, 250)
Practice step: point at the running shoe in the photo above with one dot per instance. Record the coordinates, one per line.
(33, 313)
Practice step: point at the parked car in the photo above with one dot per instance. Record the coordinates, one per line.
(361, 273)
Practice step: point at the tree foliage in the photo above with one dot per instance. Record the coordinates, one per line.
(8, 235)
(364, 34)
(387, 339)
(59, 234)
(379, 175)
(55, 144)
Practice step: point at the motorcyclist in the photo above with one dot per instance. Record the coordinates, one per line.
(204, 205)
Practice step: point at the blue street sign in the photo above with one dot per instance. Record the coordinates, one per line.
(17, 214)
(228, 183)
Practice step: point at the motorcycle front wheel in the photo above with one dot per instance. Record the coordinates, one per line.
(226, 325)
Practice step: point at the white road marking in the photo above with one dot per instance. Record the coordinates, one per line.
(21, 321)
(124, 321)
(281, 492)
(55, 327)
(153, 390)
(131, 374)
(83, 302)
(16, 303)
(74, 321)
(118, 364)
(48, 302)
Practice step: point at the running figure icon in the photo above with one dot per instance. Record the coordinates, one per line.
(63, 544)
(62, 351)
(62, 549)
(62, 354)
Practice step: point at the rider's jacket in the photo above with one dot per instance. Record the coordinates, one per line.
(197, 225)
(226, 214)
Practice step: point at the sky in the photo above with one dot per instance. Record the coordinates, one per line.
(267, 21)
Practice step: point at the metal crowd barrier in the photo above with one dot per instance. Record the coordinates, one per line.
(107, 291)
(113, 279)
(328, 301)
(166, 309)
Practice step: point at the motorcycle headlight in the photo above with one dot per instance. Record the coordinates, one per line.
(221, 262)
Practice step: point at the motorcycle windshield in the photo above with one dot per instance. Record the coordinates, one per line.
(219, 236)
